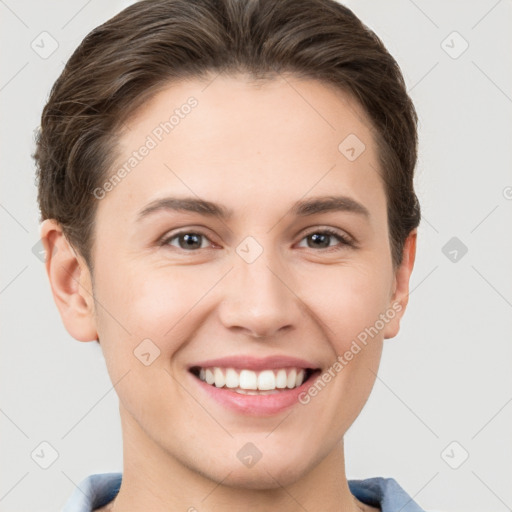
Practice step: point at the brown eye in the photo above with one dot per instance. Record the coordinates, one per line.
(319, 240)
(322, 239)
(187, 240)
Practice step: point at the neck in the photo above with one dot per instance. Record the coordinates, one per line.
(154, 479)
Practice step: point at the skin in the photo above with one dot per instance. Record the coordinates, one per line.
(255, 149)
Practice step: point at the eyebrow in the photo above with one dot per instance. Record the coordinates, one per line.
(302, 208)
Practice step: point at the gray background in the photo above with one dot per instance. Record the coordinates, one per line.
(447, 376)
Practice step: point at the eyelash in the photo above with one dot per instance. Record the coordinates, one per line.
(345, 240)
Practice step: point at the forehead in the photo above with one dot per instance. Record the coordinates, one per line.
(264, 141)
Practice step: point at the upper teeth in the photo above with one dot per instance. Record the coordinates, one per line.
(247, 379)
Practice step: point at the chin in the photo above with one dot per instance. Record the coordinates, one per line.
(265, 474)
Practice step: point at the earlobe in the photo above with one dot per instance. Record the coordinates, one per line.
(70, 283)
(400, 296)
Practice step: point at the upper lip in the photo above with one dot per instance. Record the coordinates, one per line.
(256, 363)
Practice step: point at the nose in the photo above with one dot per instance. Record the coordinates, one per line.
(259, 299)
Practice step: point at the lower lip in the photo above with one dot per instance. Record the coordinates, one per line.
(256, 405)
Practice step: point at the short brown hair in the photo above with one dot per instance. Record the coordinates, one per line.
(124, 62)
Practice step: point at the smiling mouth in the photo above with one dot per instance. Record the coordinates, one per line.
(249, 382)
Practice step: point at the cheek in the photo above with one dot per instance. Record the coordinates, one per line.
(348, 300)
(150, 303)
(146, 316)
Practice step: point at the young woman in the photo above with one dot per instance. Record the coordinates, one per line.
(226, 189)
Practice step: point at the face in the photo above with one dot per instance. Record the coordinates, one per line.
(267, 270)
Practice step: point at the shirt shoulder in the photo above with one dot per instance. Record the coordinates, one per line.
(94, 492)
(385, 493)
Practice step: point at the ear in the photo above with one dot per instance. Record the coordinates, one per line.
(400, 294)
(70, 281)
